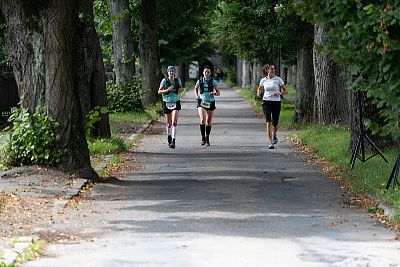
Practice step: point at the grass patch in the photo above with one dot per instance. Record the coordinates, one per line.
(115, 144)
(331, 142)
(138, 117)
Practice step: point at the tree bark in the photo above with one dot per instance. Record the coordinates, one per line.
(239, 71)
(332, 98)
(256, 74)
(92, 86)
(123, 52)
(246, 74)
(41, 41)
(149, 52)
(305, 91)
(368, 111)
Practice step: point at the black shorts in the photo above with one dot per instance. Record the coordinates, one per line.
(167, 110)
(272, 110)
(211, 108)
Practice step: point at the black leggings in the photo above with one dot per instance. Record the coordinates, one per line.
(272, 108)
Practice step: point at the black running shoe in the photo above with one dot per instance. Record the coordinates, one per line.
(169, 140)
(172, 145)
(271, 146)
(203, 141)
(207, 141)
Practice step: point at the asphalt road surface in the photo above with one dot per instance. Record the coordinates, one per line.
(235, 203)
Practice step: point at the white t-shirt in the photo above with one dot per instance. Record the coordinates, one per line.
(271, 86)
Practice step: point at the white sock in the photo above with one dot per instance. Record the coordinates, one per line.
(168, 131)
(173, 132)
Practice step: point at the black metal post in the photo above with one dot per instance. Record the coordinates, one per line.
(395, 174)
(360, 142)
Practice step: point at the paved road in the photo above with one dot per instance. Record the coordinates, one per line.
(235, 203)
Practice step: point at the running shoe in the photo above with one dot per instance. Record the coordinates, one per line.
(207, 141)
(203, 141)
(271, 146)
(274, 139)
(172, 145)
(169, 140)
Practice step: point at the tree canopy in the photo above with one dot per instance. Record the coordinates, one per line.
(366, 37)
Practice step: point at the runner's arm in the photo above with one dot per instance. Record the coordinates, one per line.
(260, 89)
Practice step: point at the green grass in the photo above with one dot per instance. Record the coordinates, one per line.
(332, 143)
(115, 144)
(139, 117)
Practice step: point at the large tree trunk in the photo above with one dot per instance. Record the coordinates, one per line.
(332, 98)
(123, 52)
(181, 72)
(149, 51)
(256, 74)
(41, 39)
(92, 86)
(239, 71)
(246, 74)
(305, 86)
(368, 111)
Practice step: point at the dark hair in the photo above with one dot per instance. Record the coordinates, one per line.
(266, 68)
(207, 67)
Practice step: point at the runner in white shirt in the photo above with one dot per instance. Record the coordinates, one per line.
(273, 88)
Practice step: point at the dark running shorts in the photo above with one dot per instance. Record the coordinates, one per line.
(211, 108)
(167, 110)
(272, 110)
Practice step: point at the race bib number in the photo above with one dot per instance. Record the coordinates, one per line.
(170, 105)
(205, 104)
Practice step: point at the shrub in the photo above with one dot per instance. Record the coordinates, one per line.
(32, 139)
(124, 98)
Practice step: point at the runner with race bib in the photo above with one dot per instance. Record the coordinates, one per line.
(205, 90)
(170, 88)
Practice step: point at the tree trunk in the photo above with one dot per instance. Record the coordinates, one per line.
(123, 52)
(181, 72)
(332, 98)
(149, 51)
(92, 85)
(246, 74)
(256, 74)
(371, 112)
(239, 64)
(41, 39)
(305, 86)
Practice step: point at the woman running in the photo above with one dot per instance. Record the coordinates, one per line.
(170, 88)
(273, 88)
(205, 90)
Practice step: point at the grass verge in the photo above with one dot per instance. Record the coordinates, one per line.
(331, 143)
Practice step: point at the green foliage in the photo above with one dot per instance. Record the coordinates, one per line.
(107, 146)
(256, 31)
(93, 117)
(183, 30)
(365, 36)
(124, 98)
(32, 139)
(104, 29)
